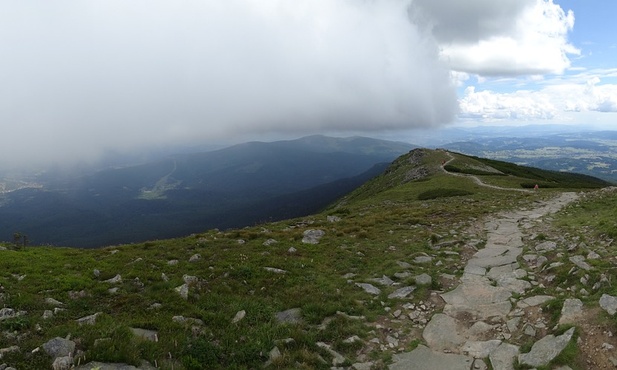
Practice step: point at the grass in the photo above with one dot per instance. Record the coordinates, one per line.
(394, 217)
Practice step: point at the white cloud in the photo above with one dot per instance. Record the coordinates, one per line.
(554, 101)
(507, 38)
(79, 77)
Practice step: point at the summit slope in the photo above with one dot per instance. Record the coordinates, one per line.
(350, 287)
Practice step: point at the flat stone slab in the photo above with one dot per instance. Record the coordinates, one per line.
(546, 349)
(369, 288)
(402, 292)
(579, 261)
(534, 301)
(423, 358)
(441, 333)
(502, 358)
(608, 303)
(480, 349)
(571, 311)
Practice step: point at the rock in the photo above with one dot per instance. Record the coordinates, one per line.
(291, 316)
(502, 358)
(423, 358)
(423, 259)
(607, 302)
(402, 275)
(269, 242)
(164, 277)
(146, 334)
(105, 366)
(63, 363)
(579, 261)
(187, 320)
(546, 246)
(480, 349)
(333, 219)
(337, 358)
(369, 288)
(194, 258)
(172, 262)
(275, 354)
(88, 320)
(183, 290)
(593, 256)
(424, 279)
(546, 349)
(312, 236)
(47, 314)
(275, 270)
(292, 250)
(96, 273)
(8, 313)
(53, 302)
(403, 264)
(239, 316)
(59, 347)
(189, 279)
(11, 349)
(384, 280)
(114, 280)
(441, 333)
(571, 311)
(534, 301)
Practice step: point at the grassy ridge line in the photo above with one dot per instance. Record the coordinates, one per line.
(381, 223)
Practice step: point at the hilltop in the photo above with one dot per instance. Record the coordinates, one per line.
(438, 243)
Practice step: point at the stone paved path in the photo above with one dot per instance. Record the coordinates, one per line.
(480, 311)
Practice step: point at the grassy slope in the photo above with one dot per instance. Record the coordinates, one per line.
(381, 223)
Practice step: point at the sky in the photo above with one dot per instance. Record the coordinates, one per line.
(85, 77)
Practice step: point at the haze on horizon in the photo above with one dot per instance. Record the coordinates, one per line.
(79, 78)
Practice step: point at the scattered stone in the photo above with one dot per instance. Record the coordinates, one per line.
(337, 358)
(275, 354)
(571, 311)
(546, 349)
(441, 333)
(546, 246)
(403, 264)
(59, 347)
(194, 258)
(402, 275)
(369, 288)
(183, 290)
(579, 261)
(63, 363)
(77, 295)
(150, 335)
(4, 351)
(269, 242)
(47, 314)
(607, 302)
(424, 279)
(593, 256)
(155, 306)
(312, 236)
(239, 316)
(291, 316)
(423, 259)
(97, 273)
(423, 358)
(384, 280)
(172, 262)
(529, 330)
(187, 320)
(275, 270)
(189, 279)
(534, 301)
(333, 218)
(88, 320)
(8, 313)
(114, 280)
(292, 250)
(352, 339)
(164, 277)
(480, 349)
(503, 356)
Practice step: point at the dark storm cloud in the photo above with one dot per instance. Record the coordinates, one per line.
(79, 77)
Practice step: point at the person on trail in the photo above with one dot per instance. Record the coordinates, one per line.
(536, 187)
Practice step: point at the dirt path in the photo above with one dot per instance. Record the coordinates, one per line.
(475, 178)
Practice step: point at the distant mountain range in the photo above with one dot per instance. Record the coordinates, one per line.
(593, 153)
(188, 193)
